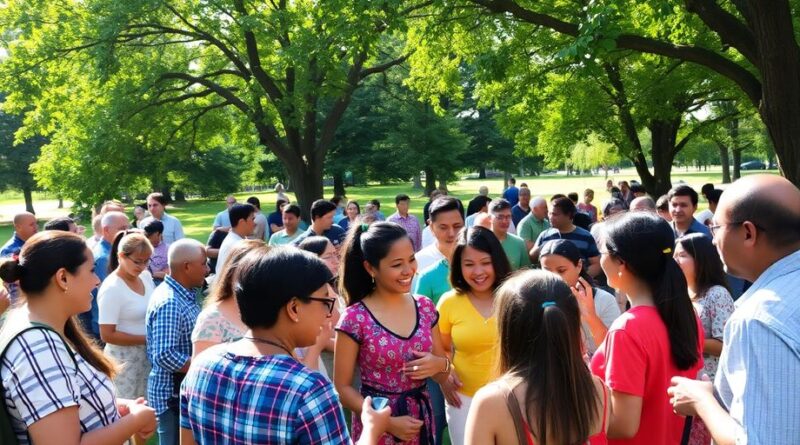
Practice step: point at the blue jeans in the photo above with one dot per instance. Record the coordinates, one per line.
(168, 427)
(437, 400)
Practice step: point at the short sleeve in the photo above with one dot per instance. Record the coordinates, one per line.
(208, 328)
(625, 364)
(109, 304)
(217, 220)
(352, 322)
(719, 306)
(320, 418)
(423, 286)
(445, 309)
(427, 310)
(44, 378)
(606, 307)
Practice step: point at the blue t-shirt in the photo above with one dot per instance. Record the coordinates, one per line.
(274, 218)
(511, 195)
(517, 213)
(335, 234)
(582, 238)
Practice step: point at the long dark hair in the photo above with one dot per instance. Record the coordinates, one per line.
(644, 242)
(483, 239)
(708, 269)
(540, 340)
(365, 243)
(41, 257)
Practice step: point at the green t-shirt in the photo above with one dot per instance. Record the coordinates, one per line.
(516, 251)
(434, 281)
(530, 228)
(280, 237)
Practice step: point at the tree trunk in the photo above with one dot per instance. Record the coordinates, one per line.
(28, 194)
(307, 185)
(442, 184)
(725, 160)
(482, 172)
(430, 181)
(60, 202)
(180, 196)
(779, 66)
(737, 162)
(664, 134)
(417, 182)
(338, 184)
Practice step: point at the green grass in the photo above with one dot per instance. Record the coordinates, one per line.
(198, 215)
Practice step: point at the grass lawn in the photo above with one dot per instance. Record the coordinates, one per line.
(198, 215)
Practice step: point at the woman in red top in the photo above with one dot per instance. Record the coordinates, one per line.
(658, 338)
(545, 383)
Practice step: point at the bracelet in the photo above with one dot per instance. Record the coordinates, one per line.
(448, 365)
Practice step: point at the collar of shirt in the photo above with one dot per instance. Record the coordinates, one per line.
(788, 264)
(179, 289)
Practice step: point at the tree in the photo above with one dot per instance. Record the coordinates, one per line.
(752, 43)
(16, 158)
(287, 68)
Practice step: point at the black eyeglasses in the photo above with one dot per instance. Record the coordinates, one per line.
(330, 303)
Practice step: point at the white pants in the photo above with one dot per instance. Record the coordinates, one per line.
(457, 419)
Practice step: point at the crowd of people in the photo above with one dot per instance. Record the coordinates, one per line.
(517, 319)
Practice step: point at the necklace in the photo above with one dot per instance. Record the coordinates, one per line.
(270, 342)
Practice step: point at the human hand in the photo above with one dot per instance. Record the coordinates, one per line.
(145, 418)
(585, 295)
(425, 365)
(686, 395)
(375, 422)
(324, 336)
(450, 389)
(404, 428)
(123, 405)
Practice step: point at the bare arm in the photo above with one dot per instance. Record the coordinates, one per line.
(344, 363)
(626, 413)
(712, 346)
(63, 427)
(110, 334)
(186, 437)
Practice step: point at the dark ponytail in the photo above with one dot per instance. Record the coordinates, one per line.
(365, 243)
(644, 242)
(41, 257)
(540, 343)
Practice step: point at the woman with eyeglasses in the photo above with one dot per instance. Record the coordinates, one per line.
(122, 304)
(257, 380)
(322, 350)
(220, 321)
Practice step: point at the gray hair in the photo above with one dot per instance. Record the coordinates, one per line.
(538, 200)
(184, 250)
(110, 218)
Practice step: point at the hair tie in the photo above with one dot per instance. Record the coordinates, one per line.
(547, 304)
(364, 227)
(668, 250)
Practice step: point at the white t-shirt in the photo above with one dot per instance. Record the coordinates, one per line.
(231, 240)
(704, 216)
(119, 305)
(606, 307)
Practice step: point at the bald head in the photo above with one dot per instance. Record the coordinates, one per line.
(770, 202)
(185, 250)
(112, 223)
(25, 225)
(643, 204)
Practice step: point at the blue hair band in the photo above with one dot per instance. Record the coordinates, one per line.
(547, 304)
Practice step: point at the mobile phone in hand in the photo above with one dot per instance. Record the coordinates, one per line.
(379, 403)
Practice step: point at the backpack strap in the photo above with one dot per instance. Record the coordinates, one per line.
(7, 336)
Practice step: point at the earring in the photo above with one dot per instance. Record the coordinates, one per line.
(296, 320)
(66, 289)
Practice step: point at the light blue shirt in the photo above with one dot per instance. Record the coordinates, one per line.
(759, 369)
(223, 219)
(173, 230)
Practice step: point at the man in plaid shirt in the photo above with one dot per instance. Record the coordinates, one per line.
(171, 316)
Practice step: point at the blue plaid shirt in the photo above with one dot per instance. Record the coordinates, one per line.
(274, 399)
(171, 316)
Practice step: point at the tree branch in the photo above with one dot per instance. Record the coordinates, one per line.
(729, 28)
(223, 92)
(383, 66)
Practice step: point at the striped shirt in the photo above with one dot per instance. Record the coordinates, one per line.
(760, 363)
(169, 322)
(39, 378)
(274, 399)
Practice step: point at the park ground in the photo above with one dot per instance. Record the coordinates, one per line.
(197, 215)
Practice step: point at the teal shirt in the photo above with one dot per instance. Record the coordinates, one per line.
(434, 281)
(516, 251)
(530, 228)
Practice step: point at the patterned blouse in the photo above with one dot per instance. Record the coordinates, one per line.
(39, 378)
(714, 308)
(212, 326)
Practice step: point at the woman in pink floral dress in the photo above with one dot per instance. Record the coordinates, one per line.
(388, 334)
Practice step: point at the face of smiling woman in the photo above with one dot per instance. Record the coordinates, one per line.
(397, 268)
(478, 270)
